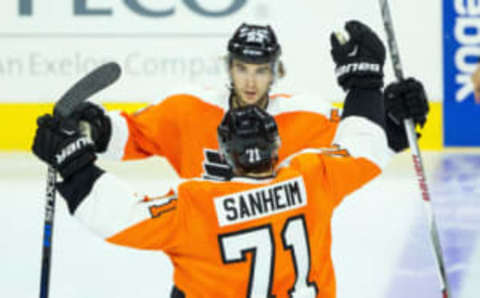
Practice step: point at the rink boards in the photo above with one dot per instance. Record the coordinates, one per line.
(18, 123)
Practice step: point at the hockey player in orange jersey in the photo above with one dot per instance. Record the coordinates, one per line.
(264, 233)
(180, 127)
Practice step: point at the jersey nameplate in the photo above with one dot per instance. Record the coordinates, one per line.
(260, 202)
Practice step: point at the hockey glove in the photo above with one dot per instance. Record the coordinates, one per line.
(403, 100)
(94, 123)
(359, 60)
(59, 144)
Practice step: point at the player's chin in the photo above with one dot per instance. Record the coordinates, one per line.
(250, 99)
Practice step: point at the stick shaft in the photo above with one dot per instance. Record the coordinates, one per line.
(435, 240)
(392, 41)
(415, 151)
(95, 81)
(48, 232)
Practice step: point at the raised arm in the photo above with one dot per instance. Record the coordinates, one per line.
(102, 202)
(120, 136)
(362, 147)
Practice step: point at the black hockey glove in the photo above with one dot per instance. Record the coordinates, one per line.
(99, 127)
(403, 100)
(359, 60)
(59, 144)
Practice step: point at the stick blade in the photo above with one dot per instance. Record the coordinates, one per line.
(98, 79)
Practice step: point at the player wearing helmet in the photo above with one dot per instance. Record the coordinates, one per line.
(265, 233)
(181, 127)
(249, 141)
(253, 63)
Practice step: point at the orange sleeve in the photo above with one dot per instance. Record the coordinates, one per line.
(325, 130)
(340, 175)
(157, 130)
(161, 231)
(300, 129)
(324, 133)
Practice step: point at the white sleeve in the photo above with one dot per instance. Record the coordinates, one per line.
(363, 138)
(111, 207)
(118, 138)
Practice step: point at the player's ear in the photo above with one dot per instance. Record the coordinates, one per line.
(281, 71)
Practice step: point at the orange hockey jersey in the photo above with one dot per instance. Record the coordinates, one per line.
(246, 237)
(182, 128)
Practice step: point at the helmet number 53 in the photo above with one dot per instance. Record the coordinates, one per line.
(259, 242)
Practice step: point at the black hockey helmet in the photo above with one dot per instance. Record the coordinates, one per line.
(248, 139)
(254, 44)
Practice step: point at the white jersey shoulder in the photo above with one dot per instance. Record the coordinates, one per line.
(299, 103)
(361, 137)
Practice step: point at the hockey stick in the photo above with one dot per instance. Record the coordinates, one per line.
(417, 159)
(98, 79)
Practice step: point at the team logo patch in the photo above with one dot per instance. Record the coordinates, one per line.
(162, 208)
(334, 115)
(335, 151)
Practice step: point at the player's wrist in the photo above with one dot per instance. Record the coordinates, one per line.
(77, 187)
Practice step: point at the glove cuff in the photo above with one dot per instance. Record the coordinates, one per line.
(73, 166)
(78, 186)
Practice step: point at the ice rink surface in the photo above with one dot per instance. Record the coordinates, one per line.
(381, 246)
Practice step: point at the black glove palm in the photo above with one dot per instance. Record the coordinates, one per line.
(99, 124)
(403, 100)
(406, 99)
(59, 144)
(359, 61)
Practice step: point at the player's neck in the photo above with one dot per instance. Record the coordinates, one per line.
(264, 174)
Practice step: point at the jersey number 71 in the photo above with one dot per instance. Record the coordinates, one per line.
(259, 242)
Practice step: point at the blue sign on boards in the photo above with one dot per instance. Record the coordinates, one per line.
(461, 55)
